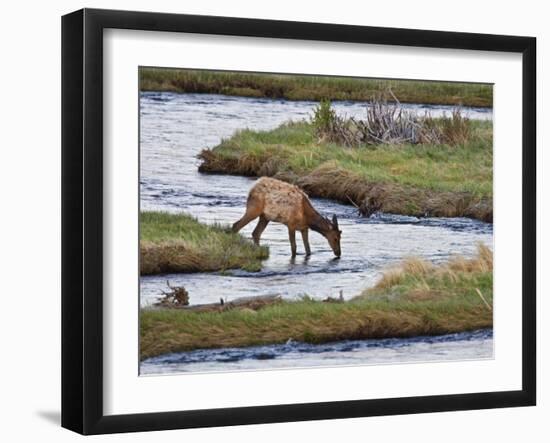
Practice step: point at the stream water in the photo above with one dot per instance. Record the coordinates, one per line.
(463, 346)
(173, 130)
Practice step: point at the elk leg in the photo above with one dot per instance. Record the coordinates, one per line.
(306, 241)
(242, 222)
(256, 234)
(292, 238)
(249, 215)
(253, 210)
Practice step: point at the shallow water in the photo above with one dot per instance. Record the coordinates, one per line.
(174, 128)
(368, 246)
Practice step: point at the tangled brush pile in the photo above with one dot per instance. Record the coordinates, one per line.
(389, 123)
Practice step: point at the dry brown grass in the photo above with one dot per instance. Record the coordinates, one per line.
(455, 129)
(181, 256)
(482, 263)
(173, 256)
(423, 280)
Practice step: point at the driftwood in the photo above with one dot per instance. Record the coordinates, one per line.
(244, 303)
(178, 296)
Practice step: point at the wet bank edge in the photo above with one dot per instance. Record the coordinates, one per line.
(347, 188)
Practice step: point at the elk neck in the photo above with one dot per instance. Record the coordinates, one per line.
(315, 221)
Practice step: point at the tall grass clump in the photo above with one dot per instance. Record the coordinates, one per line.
(455, 129)
(420, 279)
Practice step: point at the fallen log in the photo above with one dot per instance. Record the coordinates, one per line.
(249, 303)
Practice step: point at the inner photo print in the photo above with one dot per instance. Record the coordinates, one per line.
(295, 221)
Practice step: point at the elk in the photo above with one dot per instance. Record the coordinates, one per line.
(277, 201)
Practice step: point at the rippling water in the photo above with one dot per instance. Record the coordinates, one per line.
(463, 346)
(174, 128)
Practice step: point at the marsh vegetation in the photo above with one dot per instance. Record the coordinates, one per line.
(311, 87)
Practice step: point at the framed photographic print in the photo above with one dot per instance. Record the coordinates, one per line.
(269, 221)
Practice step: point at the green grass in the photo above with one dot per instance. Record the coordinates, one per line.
(421, 179)
(437, 167)
(179, 243)
(415, 299)
(304, 87)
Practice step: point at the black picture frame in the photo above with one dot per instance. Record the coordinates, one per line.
(82, 219)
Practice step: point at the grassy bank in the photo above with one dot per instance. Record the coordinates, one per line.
(179, 243)
(416, 298)
(420, 180)
(303, 87)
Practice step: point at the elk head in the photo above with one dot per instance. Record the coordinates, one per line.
(333, 236)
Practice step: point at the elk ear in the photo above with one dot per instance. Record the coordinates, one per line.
(335, 222)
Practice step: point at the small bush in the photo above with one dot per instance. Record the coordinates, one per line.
(324, 116)
(329, 127)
